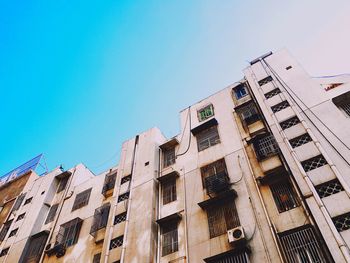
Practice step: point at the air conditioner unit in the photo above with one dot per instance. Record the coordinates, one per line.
(236, 235)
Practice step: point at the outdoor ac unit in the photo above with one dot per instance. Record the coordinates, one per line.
(236, 235)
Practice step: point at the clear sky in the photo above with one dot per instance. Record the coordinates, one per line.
(77, 78)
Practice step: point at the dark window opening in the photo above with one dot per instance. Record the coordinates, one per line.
(28, 201)
(314, 163)
(13, 232)
(284, 195)
(51, 215)
(63, 184)
(272, 93)
(116, 242)
(120, 218)
(300, 140)
(169, 191)
(169, 238)
(265, 80)
(18, 202)
(126, 179)
(20, 217)
(4, 252)
(329, 188)
(207, 138)
(249, 114)
(82, 199)
(168, 157)
(289, 123)
(5, 229)
(97, 258)
(123, 197)
(240, 91)
(100, 218)
(266, 147)
(280, 106)
(214, 177)
(109, 182)
(68, 233)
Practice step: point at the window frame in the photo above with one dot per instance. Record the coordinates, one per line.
(169, 157)
(238, 91)
(209, 136)
(51, 214)
(100, 218)
(170, 238)
(208, 112)
(169, 191)
(81, 199)
(68, 233)
(284, 195)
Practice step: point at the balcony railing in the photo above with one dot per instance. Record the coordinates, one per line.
(217, 183)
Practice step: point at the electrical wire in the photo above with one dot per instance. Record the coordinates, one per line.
(189, 139)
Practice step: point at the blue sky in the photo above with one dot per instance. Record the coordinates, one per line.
(77, 78)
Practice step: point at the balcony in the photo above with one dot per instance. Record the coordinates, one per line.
(217, 183)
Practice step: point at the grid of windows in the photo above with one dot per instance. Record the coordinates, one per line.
(314, 163)
(265, 80)
(123, 197)
(280, 106)
(249, 114)
(28, 201)
(329, 188)
(116, 242)
(206, 112)
(240, 91)
(82, 199)
(272, 93)
(300, 140)
(168, 157)
(289, 123)
(207, 138)
(51, 215)
(120, 218)
(20, 217)
(266, 147)
(169, 191)
(68, 233)
(169, 238)
(284, 195)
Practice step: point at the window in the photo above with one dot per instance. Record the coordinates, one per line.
(28, 201)
(20, 217)
(342, 101)
(265, 80)
(4, 252)
(52, 213)
(126, 179)
(69, 232)
(116, 242)
(100, 218)
(169, 238)
(214, 176)
(82, 199)
(345, 108)
(168, 157)
(18, 202)
(329, 188)
(206, 112)
(249, 114)
(13, 232)
(63, 184)
(5, 229)
(240, 91)
(284, 195)
(169, 191)
(302, 245)
(235, 256)
(222, 217)
(280, 106)
(109, 182)
(300, 140)
(120, 218)
(289, 123)
(123, 197)
(272, 93)
(97, 258)
(36, 244)
(265, 147)
(342, 222)
(208, 138)
(314, 163)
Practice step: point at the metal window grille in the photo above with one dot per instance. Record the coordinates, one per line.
(284, 196)
(69, 232)
(35, 247)
(168, 157)
(169, 191)
(346, 108)
(280, 106)
(13, 232)
(51, 215)
(342, 222)
(249, 114)
(20, 217)
(266, 147)
(116, 242)
(238, 257)
(82, 199)
(265, 80)
(18, 202)
(222, 218)
(97, 258)
(329, 188)
(123, 197)
(289, 123)
(272, 93)
(206, 112)
(109, 182)
(314, 163)
(301, 245)
(240, 91)
(27, 201)
(169, 239)
(126, 179)
(300, 140)
(213, 169)
(5, 229)
(4, 251)
(63, 184)
(100, 218)
(120, 218)
(208, 138)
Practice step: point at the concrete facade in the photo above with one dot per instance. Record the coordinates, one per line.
(259, 172)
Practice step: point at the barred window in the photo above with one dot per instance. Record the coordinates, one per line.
(342, 222)
(233, 257)
(169, 191)
(300, 140)
(249, 114)
(126, 179)
(123, 197)
(116, 242)
(272, 93)
(214, 177)
(346, 108)
(13, 232)
(169, 238)
(18, 202)
(284, 195)
(100, 218)
(52, 213)
(222, 217)
(28, 201)
(120, 218)
(36, 244)
(302, 245)
(4, 252)
(265, 80)
(289, 123)
(20, 217)
(63, 184)
(68, 233)
(5, 229)
(266, 147)
(82, 199)
(208, 138)
(168, 157)
(214, 168)
(329, 188)
(314, 163)
(97, 258)
(109, 182)
(342, 101)
(280, 106)
(206, 112)
(240, 91)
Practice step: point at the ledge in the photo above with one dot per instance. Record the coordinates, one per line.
(206, 125)
(169, 144)
(170, 218)
(168, 176)
(219, 198)
(231, 252)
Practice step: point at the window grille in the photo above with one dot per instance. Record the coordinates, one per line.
(20, 217)
(168, 157)
(329, 188)
(238, 257)
(100, 218)
(123, 197)
(289, 123)
(109, 182)
(208, 138)
(301, 245)
(300, 140)
(120, 218)
(4, 252)
(314, 163)
(266, 147)
(280, 106)
(265, 80)
(240, 91)
(63, 184)
(169, 191)
(97, 258)
(82, 199)
(346, 108)
(35, 247)
(206, 112)
(217, 167)
(342, 222)
(13, 232)
(272, 93)
(249, 114)
(116, 242)
(222, 217)
(126, 179)
(5, 229)
(284, 195)
(68, 233)
(52, 213)
(28, 201)
(18, 202)
(170, 242)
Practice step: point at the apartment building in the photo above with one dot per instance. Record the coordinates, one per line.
(259, 172)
